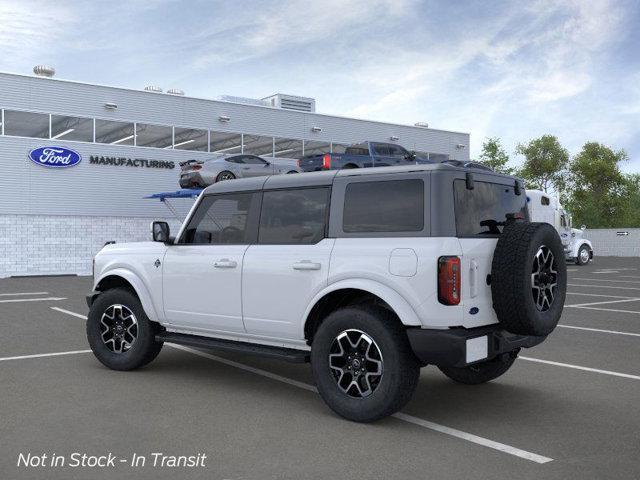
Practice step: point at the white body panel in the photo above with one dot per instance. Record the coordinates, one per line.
(278, 282)
(202, 287)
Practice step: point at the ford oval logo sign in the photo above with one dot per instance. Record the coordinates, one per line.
(56, 157)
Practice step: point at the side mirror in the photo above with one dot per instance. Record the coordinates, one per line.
(583, 227)
(160, 231)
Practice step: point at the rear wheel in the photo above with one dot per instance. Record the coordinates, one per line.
(362, 363)
(226, 175)
(481, 372)
(291, 172)
(120, 334)
(583, 255)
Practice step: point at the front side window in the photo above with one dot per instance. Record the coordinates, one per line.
(220, 220)
(484, 210)
(384, 206)
(297, 216)
(397, 151)
(381, 150)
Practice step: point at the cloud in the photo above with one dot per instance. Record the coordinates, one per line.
(29, 30)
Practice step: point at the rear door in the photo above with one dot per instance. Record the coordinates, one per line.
(290, 263)
(480, 214)
(400, 156)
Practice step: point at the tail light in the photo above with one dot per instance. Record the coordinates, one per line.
(449, 280)
(326, 161)
(196, 166)
(298, 162)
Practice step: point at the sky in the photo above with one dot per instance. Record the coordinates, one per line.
(514, 70)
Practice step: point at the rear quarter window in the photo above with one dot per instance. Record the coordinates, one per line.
(384, 206)
(483, 210)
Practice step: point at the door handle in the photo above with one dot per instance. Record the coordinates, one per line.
(246, 168)
(473, 278)
(225, 263)
(306, 265)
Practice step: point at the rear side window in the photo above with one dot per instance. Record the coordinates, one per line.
(297, 216)
(544, 200)
(483, 210)
(385, 206)
(221, 219)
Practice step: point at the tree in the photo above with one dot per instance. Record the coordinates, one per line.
(545, 164)
(600, 193)
(494, 156)
(631, 209)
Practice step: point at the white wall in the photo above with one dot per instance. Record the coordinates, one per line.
(55, 245)
(608, 243)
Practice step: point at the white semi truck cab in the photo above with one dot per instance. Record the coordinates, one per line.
(547, 208)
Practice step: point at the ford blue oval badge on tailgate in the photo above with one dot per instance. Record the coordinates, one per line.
(57, 157)
(474, 310)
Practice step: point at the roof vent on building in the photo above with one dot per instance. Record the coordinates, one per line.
(175, 91)
(153, 88)
(422, 124)
(44, 71)
(292, 102)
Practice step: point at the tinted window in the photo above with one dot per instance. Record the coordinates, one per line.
(294, 216)
(220, 219)
(250, 159)
(544, 200)
(26, 124)
(483, 210)
(397, 151)
(389, 206)
(381, 149)
(235, 159)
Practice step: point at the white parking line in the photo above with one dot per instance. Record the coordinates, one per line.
(605, 280)
(607, 309)
(62, 310)
(47, 299)
(578, 367)
(596, 295)
(23, 293)
(600, 330)
(632, 299)
(604, 286)
(485, 442)
(534, 457)
(628, 276)
(41, 355)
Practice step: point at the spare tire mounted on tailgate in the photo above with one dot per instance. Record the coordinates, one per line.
(528, 278)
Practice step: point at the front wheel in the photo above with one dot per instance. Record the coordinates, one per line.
(583, 255)
(120, 334)
(362, 363)
(481, 372)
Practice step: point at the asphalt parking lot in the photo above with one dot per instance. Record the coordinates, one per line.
(567, 409)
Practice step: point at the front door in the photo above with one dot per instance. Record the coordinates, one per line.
(254, 166)
(202, 273)
(290, 263)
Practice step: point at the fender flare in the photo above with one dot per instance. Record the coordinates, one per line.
(399, 305)
(139, 287)
(578, 245)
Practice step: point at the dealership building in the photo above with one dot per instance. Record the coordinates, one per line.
(127, 144)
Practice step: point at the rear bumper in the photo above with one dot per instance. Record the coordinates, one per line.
(191, 179)
(459, 347)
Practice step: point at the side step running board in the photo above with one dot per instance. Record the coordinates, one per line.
(280, 353)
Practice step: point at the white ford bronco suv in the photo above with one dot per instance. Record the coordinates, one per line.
(369, 274)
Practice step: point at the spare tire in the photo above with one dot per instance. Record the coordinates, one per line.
(529, 278)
